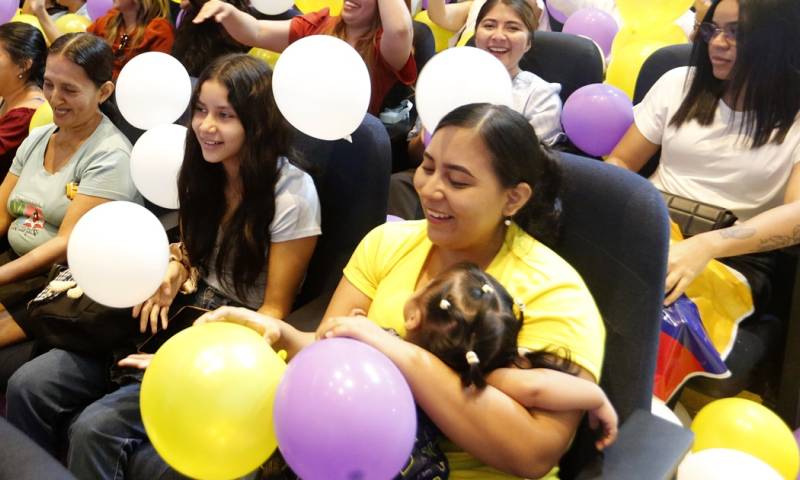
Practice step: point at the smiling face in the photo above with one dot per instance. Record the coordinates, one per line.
(359, 13)
(463, 200)
(721, 48)
(216, 124)
(72, 94)
(503, 33)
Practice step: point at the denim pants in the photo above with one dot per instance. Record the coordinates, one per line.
(48, 391)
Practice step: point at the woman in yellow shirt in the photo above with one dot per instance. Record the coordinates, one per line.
(490, 194)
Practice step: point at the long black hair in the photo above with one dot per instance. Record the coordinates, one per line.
(467, 312)
(198, 44)
(94, 56)
(25, 43)
(517, 156)
(245, 235)
(765, 77)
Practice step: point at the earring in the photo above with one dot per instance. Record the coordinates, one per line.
(507, 222)
(19, 76)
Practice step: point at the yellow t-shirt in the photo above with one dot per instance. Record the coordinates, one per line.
(559, 310)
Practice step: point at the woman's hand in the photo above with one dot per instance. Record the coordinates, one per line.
(356, 326)
(605, 419)
(687, 259)
(136, 360)
(214, 8)
(267, 327)
(157, 306)
(34, 7)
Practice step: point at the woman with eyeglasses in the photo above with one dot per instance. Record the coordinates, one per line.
(131, 27)
(729, 135)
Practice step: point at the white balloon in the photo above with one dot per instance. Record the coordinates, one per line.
(322, 87)
(153, 89)
(272, 7)
(724, 464)
(118, 253)
(661, 410)
(156, 161)
(459, 76)
(568, 7)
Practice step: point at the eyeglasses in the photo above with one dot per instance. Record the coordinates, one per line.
(708, 31)
(123, 44)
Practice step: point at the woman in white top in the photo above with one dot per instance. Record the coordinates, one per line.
(729, 133)
(505, 29)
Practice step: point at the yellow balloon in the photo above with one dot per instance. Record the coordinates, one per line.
(630, 50)
(27, 18)
(267, 56)
(42, 116)
(308, 6)
(207, 398)
(440, 35)
(662, 12)
(751, 428)
(70, 23)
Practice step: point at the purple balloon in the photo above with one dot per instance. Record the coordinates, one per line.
(98, 8)
(8, 8)
(556, 13)
(595, 24)
(344, 411)
(595, 118)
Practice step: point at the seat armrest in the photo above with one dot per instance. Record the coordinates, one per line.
(647, 447)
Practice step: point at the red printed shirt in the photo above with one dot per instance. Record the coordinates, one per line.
(383, 77)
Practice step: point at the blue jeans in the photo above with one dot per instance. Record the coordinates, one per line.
(46, 392)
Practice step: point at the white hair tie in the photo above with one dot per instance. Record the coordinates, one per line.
(472, 358)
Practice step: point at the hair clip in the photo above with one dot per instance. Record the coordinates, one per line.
(486, 288)
(472, 358)
(444, 304)
(521, 306)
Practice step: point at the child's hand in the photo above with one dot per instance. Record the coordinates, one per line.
(358, 327)
(604, 418)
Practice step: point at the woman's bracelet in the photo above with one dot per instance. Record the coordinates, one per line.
(177, 253)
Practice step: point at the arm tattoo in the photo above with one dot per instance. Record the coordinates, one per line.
(739, 233)
(779, 241)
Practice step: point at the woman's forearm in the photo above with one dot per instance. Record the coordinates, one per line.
(776, 228)
(450, 17)
(488, 424)
(547, 389)
(38, 260)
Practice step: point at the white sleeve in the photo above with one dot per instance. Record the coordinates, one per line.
(297, 209)
(652, 115)
(544, 114)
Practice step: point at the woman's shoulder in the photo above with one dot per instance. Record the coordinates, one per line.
(397, 238)
(309, 24)
(538, 260)
(38, 136)
(158, 25)
(526, 79)
(17, 116)
(107, 141)
(99, 25)
(292, 179)
(678, 79)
